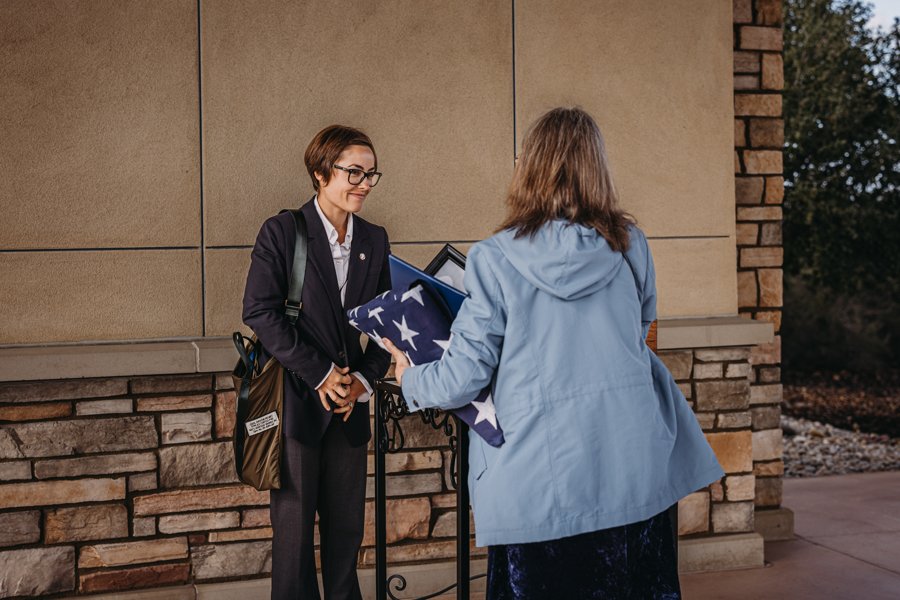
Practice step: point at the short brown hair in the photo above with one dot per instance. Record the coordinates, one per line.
(326, 147)
(563, 173)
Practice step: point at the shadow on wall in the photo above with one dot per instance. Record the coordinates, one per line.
(824, 330)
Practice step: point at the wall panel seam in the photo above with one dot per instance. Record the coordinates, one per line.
(108, 249)
(434, 242)
(200, 136)
(513, 20)
(690, 237)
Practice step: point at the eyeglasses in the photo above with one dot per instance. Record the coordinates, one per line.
(355, 176)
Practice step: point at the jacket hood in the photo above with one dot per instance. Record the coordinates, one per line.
(565, 260)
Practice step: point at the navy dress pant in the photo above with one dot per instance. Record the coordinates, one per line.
(329, 479)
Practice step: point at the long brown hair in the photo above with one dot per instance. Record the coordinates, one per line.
(563, 173)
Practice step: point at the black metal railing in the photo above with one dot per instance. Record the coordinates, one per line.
(390, 409)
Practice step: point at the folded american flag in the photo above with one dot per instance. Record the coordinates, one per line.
(418, 321)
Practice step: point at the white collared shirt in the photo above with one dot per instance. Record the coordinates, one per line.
(340, 254)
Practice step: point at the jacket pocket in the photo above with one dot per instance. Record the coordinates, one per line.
(477, 467)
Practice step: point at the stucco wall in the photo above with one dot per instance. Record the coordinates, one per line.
(144, 143)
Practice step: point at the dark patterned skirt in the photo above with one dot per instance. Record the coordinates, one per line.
(635, 561)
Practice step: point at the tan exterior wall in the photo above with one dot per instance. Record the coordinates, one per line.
(123, 122)
(115, 294)
(98, 126)
(657, 77)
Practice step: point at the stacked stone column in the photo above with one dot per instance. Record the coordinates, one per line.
(716, 524)
(759, 191)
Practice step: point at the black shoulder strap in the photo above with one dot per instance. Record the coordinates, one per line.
(293, 304)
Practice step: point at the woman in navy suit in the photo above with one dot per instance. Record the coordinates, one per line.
(326, 414)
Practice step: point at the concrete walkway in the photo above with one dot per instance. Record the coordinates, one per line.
(847, 546)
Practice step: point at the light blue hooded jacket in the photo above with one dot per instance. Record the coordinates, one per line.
(597, 432)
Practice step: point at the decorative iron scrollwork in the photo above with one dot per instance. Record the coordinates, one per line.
(395, 583)
(398, 582)
(393, 408)
(390, 409)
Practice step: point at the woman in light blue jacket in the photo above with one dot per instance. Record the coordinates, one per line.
(599, 440)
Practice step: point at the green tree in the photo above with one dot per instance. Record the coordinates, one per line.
(842, 170)
(842, 159)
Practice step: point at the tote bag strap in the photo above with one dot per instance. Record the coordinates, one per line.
(651, 340)
(637, 283)
(293, 304)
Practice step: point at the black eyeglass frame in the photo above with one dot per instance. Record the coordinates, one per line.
(364, 175)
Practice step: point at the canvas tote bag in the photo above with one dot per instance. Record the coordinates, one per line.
(260, 391)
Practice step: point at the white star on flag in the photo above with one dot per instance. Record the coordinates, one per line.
(406, 334)
(376, 312)
(444, 344)
(415, 293)
(486, 411)
(377, 339)
(390, 316)
(411, 363)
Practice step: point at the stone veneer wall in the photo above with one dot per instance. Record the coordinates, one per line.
(716, 382)
(759, 191)
(122, 483)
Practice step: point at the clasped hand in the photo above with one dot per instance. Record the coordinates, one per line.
(342, 389)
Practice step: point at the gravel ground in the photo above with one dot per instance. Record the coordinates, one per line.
(853, 401)
(812, 448)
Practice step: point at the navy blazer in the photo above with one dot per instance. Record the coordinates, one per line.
(322, 333)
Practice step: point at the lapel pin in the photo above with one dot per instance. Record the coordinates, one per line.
(362, 256)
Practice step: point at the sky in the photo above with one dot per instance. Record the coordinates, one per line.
(885, 11)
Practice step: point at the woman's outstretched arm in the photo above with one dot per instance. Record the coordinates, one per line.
(474, 352)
